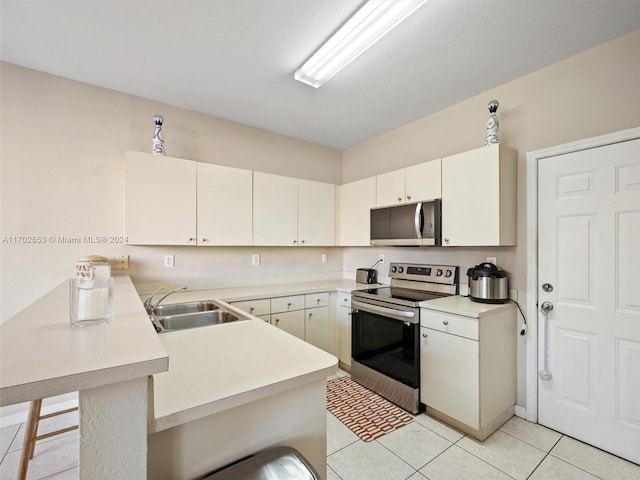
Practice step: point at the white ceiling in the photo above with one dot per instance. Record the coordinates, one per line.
(235, 59)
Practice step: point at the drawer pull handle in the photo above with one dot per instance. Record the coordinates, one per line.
(445, 322)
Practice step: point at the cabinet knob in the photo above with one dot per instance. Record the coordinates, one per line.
(192, 239)
(302, 241)
(289, 305)
(205, 240)
(408, 197)
(251, 309)
(295, 241)
(424, 335)
(445, 322)
(318, 301)
(446, 240)
(399, 199)
(310, 314)
(277, 321)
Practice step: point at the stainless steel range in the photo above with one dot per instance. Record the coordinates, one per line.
(385, 343)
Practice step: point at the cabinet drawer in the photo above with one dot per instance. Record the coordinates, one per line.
(287, 304)
(344, 299)
(261, 306)
(446, 322)
(312, 300)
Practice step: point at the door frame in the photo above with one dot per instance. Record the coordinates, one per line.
(532, 160)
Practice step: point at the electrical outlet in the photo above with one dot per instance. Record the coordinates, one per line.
(381, 258)
(324, 258)
(492, 260)
(255, 259)
(169, 261)
(122, 262)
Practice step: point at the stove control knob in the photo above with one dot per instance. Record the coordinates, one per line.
(439, 273)
(448, 273)
(400, 269)
(393, 269)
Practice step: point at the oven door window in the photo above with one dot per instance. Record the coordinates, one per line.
(386, 345)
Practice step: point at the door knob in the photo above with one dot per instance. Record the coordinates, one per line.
(546, 307)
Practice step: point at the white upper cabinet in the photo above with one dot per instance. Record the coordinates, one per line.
(355, 200)
(408, 185)
(288, 211)
(423, 181)
(275, 209)
(224, 205)
(479, 197)
(160, 200)
(316, 213)
(390, 188)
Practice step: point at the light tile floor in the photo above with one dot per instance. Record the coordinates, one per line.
(424, 449)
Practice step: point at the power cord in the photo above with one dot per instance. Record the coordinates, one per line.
(525, 328)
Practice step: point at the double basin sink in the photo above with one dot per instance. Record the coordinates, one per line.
(182, 316)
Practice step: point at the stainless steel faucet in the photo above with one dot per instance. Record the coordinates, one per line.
(148, 303)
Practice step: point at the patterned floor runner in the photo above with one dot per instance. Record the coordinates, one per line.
(367, 414)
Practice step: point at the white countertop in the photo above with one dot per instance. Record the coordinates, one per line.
(42, 356)
(222, 366)
(237, 294)
(460, 305)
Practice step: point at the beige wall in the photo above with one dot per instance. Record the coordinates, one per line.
(62, 173)
(590, 94)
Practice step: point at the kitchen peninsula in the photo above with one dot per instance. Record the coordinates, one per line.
(234, 380)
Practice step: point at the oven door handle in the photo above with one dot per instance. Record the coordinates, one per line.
(367, 307)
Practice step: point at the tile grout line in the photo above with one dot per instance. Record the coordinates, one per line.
(482, 459)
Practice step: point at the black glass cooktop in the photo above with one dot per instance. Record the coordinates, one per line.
(398, 293)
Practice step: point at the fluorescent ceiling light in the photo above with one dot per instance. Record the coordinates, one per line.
(369, 24)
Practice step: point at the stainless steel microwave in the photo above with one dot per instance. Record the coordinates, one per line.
(412, 224)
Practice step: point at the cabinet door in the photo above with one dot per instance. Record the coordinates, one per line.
(316, 213)
(423, 181)
(390, 188)
(344, 328)
(479, 197)
(355, 200)
(275, 210)
(287, 304)
(160, 200)
(224, 205)
(317, 327)
(259, 307)
(449, 375)
(290, 322)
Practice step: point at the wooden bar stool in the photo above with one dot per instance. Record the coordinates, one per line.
(31, 434)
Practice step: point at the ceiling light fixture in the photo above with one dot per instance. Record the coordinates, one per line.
(369, 24)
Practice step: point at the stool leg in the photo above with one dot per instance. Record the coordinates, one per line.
(28, 444)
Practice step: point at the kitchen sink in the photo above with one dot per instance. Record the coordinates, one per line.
(186, 307)
(183, 316)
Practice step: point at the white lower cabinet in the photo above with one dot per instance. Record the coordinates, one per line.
(304, 316)
(316, 322)
(344, 328)
(468, 368)
(290, 322)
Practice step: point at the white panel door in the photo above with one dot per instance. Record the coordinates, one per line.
(589, 253)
